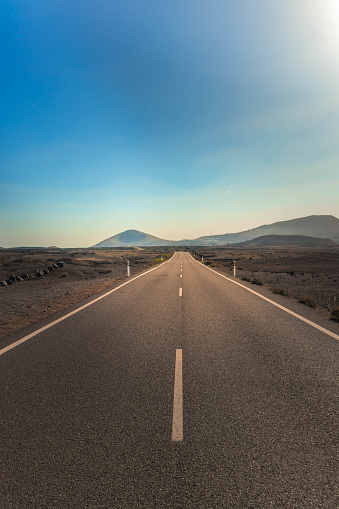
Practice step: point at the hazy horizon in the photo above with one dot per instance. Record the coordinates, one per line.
(180, 120)
(187, 237)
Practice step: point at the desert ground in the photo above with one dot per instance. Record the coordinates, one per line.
(35, 283)
(309, 275)
(39, 282)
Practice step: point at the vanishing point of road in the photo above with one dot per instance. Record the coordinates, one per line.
(178, 389)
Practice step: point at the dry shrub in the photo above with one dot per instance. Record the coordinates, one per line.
(281, 291)
(258, 282)
(215, 264)
(308, 301)
(335, 312)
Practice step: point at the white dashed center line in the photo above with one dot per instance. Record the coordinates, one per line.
(178, 422)
(180, 275)
(180, 292)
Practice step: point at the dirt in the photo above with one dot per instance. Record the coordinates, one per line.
(309, 274)
(305, 274)
(82, 272)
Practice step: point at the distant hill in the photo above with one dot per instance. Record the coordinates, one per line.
(322, 227)
(131, 238)
(286, 241)
(28, 247)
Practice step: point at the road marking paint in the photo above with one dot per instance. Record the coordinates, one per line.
(181, 269)
(35, 333)
(315, 325)
(178, 421)
(180, 275)
(180, 292)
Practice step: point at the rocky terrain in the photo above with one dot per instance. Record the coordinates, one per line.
(35, 283)
(311, 276)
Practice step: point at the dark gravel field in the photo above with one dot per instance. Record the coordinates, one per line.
(311, 276)
(35, 283)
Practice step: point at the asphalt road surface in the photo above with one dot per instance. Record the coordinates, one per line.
(180, 389)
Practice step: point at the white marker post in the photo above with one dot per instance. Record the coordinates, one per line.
(234, 269)
(128, 269)
(202, 258)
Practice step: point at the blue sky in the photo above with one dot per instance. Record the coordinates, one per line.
(180, 118)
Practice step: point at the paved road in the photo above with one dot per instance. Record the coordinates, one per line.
(87, 404)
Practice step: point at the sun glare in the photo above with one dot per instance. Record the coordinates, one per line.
(322, 22)
(335, 4)
(328, 16)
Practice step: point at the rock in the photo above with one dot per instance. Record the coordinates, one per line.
(39, 273)
(25, 276)
(12, 278)
(60, 264)
(3, 283)
(18, 278)
(50, 268)
(9, 281)
(55, 266)
(45, 271)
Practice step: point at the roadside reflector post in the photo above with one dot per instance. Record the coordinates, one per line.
(234, 269)
(128, 269)
(202, 258)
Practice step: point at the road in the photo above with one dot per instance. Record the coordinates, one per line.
(90, 416)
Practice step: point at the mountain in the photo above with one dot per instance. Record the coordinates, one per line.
(286, 241)
(132, 238)
(323, 227)
(28, 247)
(314, 226)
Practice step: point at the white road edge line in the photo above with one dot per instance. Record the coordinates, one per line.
(316, 326)
(35, 333)
(178, 421)
(180, 292)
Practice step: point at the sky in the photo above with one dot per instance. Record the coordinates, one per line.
(178, 118)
